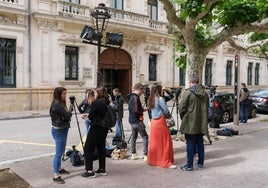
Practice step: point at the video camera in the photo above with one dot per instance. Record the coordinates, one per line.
(176, 90)
(147, 91)
(212, 88)
(72, 99)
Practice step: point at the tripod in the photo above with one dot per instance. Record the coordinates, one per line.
(73, 108)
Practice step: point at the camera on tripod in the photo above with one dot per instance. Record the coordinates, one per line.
(147, 91)
(176, 90)
(212, 88)
(72, 99)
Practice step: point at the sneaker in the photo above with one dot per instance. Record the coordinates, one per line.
(145, 158)
(63, 171)
(186, 168)
(58, 180)
(134, 156)
(88, 174)
(101, 172)
(200, 167)
(172, 167)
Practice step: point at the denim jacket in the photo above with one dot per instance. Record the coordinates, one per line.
(160, 107)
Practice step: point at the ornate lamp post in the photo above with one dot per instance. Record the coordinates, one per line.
(101, 16)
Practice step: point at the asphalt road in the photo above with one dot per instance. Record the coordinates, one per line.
(238, 161)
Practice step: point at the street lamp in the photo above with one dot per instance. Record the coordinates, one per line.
(101, 16)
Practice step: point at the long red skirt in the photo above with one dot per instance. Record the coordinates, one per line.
(160, 151)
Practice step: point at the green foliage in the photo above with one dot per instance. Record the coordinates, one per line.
(190, 8)
(258, 36)
(181, 61)
(244, 11)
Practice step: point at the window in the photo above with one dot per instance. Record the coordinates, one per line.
(74, 1)
(118, 4)
(250, 65)
(152, 67)
(229, 73)
(7, 63)
(208, 72)
(71, 63)
(182, 77)
(257, 73)
(152, 9)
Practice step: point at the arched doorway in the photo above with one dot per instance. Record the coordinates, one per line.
(116, 68)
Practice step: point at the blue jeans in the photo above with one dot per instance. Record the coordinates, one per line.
(141, 129)
(243, 113)
(87, 124)
(118, 132)
(193, 141)
(60, 137)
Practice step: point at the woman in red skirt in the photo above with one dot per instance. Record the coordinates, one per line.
(160, 151)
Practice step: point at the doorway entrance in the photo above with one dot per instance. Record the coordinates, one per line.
(116, 68)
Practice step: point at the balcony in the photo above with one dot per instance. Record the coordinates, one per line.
(16, 4)
(67, 9)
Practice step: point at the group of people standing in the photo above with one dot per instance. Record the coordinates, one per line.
(157, 149)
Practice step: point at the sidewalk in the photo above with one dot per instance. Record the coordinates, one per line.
(137, 174)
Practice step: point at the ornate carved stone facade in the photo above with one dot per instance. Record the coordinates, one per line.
(44, 28)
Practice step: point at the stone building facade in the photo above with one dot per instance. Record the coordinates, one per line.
(41, 48)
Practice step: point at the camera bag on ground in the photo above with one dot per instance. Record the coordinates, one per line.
(75, 156)
(119, 142)
(109, 119)
(227, 132)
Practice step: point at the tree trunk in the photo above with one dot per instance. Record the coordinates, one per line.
(195, 63)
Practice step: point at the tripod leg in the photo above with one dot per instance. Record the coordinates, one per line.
(81, 139)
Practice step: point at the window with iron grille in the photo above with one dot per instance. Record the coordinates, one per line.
(229, 67)
(250, 73)
(208, 72)
(71, 63)
(182, 77)
(257, 73)
(117, 4)
(7, 63)
(153, 9)
(152, 67)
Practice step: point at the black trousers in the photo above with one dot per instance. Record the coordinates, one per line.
(96, 140)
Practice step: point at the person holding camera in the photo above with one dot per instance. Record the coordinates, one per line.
(136, 121)
(243, 107)
(96, 137)
(118, 102)
(60, 120)
(193, 109)
(84, 107)
(160, 151)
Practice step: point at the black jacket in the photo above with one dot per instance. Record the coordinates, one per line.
(135, 109)
(119, 101)
(97, 112)
(59, 116)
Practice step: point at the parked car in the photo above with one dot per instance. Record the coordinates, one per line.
(222, 107)
(260, 99)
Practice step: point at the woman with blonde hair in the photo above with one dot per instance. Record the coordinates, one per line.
(85, 105)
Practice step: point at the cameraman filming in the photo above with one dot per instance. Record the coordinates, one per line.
(60, 120)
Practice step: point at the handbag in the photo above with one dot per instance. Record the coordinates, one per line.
(170, 121)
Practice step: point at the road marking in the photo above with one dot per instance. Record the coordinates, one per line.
(28, 143)
(25, 159)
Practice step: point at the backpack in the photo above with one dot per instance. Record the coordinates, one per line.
(76, 157)
(109, 119)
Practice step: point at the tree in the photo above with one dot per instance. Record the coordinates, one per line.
(201, 25)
